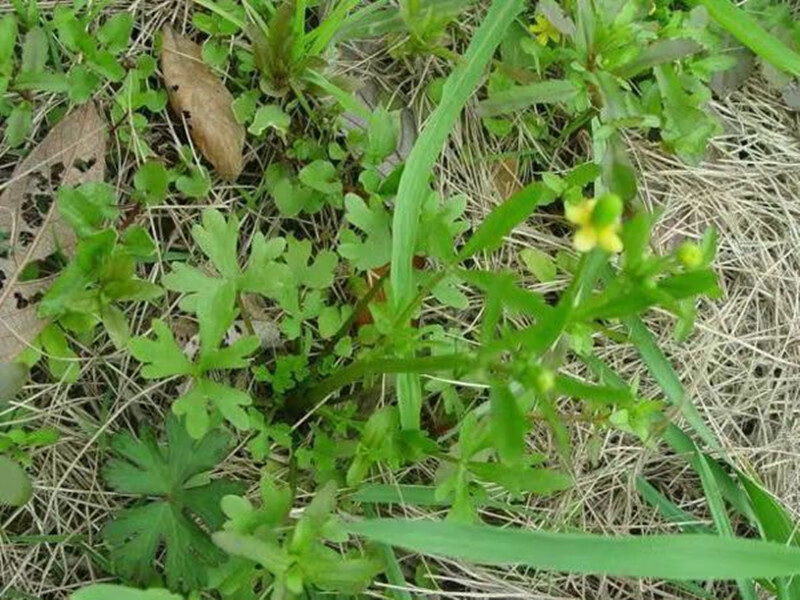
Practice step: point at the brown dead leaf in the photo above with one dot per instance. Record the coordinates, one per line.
(74, 152)
(194, 91)
(505, 177)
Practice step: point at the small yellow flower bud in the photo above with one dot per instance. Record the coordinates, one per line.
(690, 255)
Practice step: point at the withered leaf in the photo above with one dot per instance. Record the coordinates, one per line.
(32, 229)
(195, 92)
(505, 175)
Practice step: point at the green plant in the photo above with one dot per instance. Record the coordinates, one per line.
(293, 557)
(176, 475)
(39, 67)
(371, 373)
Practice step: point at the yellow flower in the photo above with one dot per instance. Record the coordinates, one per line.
(599, 222)
(544, 31)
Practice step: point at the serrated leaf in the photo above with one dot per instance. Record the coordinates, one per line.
(162, 356)
(137, 534)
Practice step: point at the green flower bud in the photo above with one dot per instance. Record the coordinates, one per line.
(545, 381)
(690, 255)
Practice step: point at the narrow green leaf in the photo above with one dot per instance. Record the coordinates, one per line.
(720, 515)
(412, 190)
(775, 525)
(679, 557)
(508, 425)
(668, 509)
(502, 220)
(749, 32)
(407, 495)
(105, 591)
(521, 97)
(414, 182)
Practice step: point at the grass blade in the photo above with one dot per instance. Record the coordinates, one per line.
(679, 557)
(414, 183)
(521, 97)
(668, 509)
(775, 525)
(665, 375)
(749, 32)
(720, 515)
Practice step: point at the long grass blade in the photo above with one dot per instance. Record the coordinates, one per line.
(749, 32)
(460, 85)
(716, 506)
(678, 557)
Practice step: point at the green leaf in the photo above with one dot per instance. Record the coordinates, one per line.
(775, 525)
(521, 97)
(659, 52)
(35, 51)
(321, 176)
(218, 239)
(508, 425)
(162, 357)
(749, 32)
(88, 206)
(196, 184)
(319, 274)
(144, 467)
(106, 65)
(329, 320)
(382, 135)
(718, 512)
(152, 182)
(227, 400)
(518, 478)
(19, 124)
(374, 221)
(268, 554)
(678, 557)
(61, 359)
(502, 220)
(82, 84)
(412, 191)
(244, 107)
(115, 33)
(43, 81)
(16, 489)
(539, 263)
(107, 591)
(270, 116)
(8, 41)
(116, 325)
(216, 311)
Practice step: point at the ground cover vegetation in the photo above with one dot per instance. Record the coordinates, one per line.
(323, 315)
